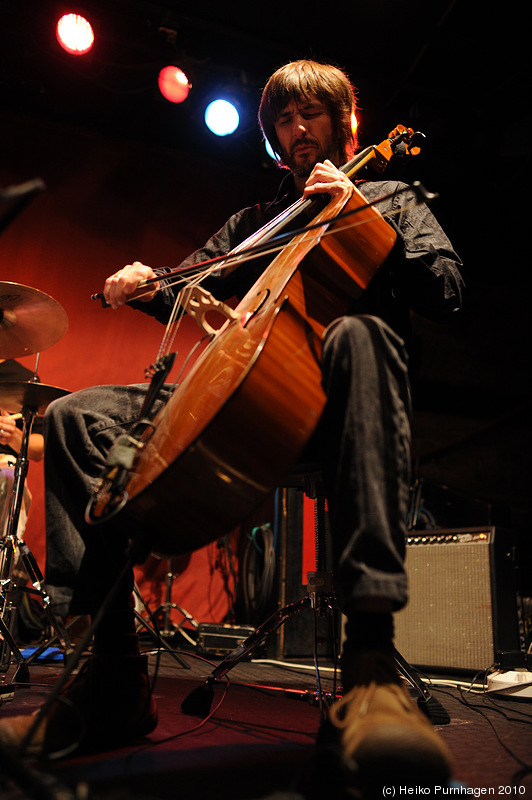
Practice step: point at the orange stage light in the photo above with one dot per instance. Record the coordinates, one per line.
(173, 84)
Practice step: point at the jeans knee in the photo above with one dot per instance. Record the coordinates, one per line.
(355, 331)
(64, 410)
(56, 410)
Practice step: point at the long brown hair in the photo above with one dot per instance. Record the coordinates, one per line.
(298, 80)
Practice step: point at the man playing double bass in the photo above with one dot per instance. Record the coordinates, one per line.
(364, 448)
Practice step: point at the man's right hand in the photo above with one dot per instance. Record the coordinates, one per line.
(120, 287)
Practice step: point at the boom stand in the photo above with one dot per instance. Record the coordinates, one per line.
(320, 597)
(9, 546)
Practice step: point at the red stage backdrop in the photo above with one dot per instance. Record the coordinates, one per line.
(106, 204)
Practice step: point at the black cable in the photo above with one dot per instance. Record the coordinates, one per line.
(258, 571)
(478, 709)
(227, 569)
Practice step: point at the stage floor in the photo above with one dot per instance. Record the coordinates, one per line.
(259, 740)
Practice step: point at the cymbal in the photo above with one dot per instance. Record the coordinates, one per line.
(30, 320)
(17, 395)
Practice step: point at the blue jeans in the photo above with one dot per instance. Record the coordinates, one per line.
(365, 442)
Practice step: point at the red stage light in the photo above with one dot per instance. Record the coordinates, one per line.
(74, 34)
(173, 84)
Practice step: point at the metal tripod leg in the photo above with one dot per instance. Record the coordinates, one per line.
(8, 646)
(8, 610)
(156, 633)
(319, 597)
(198, 702)
(39, 589)
(165, 609)
(426, 702)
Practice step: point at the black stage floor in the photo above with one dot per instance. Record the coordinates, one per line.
(259, 740)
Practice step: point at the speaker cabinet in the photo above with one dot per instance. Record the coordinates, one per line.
(463, 599)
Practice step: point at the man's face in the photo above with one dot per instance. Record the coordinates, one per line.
(305, 132)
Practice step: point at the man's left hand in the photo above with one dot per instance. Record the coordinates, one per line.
(325, 178)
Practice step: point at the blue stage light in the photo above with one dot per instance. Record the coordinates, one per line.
(222, 117)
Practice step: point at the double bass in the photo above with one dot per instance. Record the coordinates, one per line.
(240, 419)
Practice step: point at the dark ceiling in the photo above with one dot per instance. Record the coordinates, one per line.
(434, 66)
(441, 67)
(425, 64)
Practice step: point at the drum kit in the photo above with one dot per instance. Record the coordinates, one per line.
(30, 321)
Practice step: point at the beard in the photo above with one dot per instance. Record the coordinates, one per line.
(301, 164)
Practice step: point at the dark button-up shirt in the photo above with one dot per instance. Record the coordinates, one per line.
(421, 273)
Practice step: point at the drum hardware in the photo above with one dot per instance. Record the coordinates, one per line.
(30, 321)
(32, 398)
(151, 625)
(167, 628)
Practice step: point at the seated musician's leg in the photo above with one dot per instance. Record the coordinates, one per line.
(110, 699)
(79, 432)
(365, 435)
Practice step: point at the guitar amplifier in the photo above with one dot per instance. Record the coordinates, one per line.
(463, 599)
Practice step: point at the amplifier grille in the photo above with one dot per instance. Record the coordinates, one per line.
(463, 604)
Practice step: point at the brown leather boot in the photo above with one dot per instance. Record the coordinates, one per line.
(386, 740)
(108, 704)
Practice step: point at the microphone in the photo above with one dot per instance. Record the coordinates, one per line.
(110, 488)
